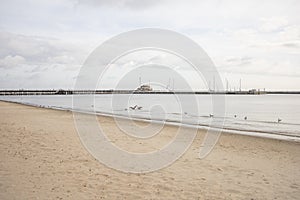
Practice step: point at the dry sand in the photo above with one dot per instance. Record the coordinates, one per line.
(43, 158)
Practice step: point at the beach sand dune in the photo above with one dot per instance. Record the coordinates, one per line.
(42, 158)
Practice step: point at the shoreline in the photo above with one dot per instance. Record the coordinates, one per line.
(42, 157)
(262, 134)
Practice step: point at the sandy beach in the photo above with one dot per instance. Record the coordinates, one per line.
(42, 158)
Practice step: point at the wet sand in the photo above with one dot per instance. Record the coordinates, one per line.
(42, 158)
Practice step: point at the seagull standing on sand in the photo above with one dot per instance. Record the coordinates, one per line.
(211, 115)
(279, 120)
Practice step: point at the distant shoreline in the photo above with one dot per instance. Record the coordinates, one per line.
(80, 92)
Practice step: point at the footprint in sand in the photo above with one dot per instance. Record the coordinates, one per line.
(294, 186)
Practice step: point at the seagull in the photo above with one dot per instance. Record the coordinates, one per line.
(211, 115)
(133, 107)
(279, 120)
(245, 118)
(234, 116)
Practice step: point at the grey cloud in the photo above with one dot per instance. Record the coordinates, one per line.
(29, 47)
(37, 62)
(11, 61)
(291, 44)
(239, 61)
(257, 66)
(17, 49)
(38, 69)
(128, 4)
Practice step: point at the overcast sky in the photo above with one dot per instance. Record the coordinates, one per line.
(44, 43)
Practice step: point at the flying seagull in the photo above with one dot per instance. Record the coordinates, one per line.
(133, 107)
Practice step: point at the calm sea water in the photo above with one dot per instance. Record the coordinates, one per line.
(244, 113)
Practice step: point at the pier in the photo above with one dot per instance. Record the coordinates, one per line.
(82, 92)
